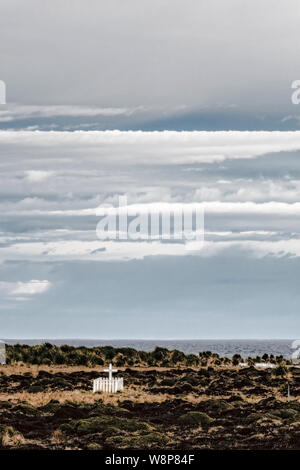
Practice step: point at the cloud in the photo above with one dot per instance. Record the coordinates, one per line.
(254, 244)
(32, 287)
(138, 74)
(208, 207)
(16, 112)
(217, 207)
(147, 148)
(24, 290)
(35, 176)
(133, 59)
(249, 183)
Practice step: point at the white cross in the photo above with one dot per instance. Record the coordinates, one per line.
(110, 371)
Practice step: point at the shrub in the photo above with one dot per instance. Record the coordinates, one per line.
(280, 371)
(192, 360)
(159, 354)
(193, 418)
(203, 372)
(94, 446)
(219, 405)
(144, 441)
(252, 417)
(168, 382)
(289, 414)
(5, 431)
(177, 356)
(185, 387)
(35, 389)
(104, 423)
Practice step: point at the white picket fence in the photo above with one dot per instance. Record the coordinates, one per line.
(108, 385)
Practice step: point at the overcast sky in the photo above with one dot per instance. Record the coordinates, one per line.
(207, 64)
(101, 101)
(59, 280)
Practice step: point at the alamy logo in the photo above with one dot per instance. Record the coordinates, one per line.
(296, 94)
(150, 222)
(2, 353)
(2, 92)
(296, 354)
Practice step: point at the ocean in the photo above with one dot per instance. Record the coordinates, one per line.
(227, 347)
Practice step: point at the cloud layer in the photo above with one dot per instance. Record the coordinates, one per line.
(56, 186)
(166, 53)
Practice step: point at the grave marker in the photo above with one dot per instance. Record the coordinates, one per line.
(110, 384)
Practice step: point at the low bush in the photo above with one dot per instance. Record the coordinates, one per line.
(194, 418)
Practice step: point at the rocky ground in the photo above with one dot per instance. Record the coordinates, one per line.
(196, 408)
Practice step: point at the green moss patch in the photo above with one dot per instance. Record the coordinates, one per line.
(103, 424)
(194, 418)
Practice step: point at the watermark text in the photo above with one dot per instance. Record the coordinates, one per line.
(154, 221)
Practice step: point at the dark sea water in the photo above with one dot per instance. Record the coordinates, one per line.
(226, 347)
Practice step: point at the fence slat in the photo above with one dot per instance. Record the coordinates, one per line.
(108, 386)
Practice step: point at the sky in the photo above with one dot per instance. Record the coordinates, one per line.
(166, 102)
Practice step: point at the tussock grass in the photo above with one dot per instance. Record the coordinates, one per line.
(132, 392)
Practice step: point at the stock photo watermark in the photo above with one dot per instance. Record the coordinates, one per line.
(2, 353)
(296, 94)
(151, 222)
(2, 92)
(296, 354)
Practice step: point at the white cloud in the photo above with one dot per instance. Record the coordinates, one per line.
(255, 244)
(23, 290)
(35, 176)
(145, 148)
(255, 248)
(83, 172)
(31, 288)
(209, 207)
(14, 112)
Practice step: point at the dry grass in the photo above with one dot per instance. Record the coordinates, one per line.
(20, 368)
(41, 399)
(136, 394)
(82, 396)
(58, 437)
(15, 439)
(132, 392)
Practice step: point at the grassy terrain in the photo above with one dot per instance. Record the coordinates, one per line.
(211, 406)
(49, 354)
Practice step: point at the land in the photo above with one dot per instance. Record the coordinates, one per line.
(212, 406)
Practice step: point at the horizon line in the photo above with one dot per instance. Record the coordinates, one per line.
(150, 339)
